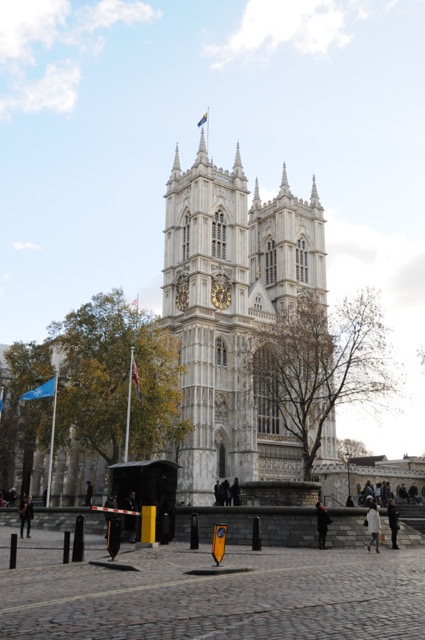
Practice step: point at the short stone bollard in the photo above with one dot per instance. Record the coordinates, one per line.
(256, 538)
(194, 531)
(66, 542)
(78, 547)
(13, 550)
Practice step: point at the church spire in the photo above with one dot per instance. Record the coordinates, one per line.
(284, 185)
(237, 166)
(256, 202)
(176, 165)
(314, 198)
(202, 155)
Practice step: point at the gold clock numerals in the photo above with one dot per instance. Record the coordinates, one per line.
(182, 299)
(220, 296)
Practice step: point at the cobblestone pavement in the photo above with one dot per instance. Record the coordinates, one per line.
(294, 594)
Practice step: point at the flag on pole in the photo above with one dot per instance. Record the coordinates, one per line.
(135, 376)
(203, 119)
(46, 390)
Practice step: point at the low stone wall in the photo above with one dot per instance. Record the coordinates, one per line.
(279, 526)
(286, 526)
(281, 493)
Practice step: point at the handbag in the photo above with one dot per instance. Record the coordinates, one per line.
(365, 523)
(381, 537)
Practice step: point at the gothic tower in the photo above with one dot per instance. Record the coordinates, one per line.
(227, 269)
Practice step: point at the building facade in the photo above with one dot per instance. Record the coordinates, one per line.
(230, 266)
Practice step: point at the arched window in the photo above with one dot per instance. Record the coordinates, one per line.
(222, 461)
(271, 266)
(266, 399)
(186, 237)
(218, 248)
(301, 262)
(220, 353)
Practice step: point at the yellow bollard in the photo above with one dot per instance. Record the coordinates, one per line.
(148, 524)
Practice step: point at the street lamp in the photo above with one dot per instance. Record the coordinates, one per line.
(348, 456)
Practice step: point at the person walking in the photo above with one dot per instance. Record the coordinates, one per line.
(323, 519)
(130, 521)
(26, 513)
(373, 525)
(393, 522)
(89, 494)
(235, 492)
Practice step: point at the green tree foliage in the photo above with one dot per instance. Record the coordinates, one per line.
(29, 365)
(95, 346)
(308, 362)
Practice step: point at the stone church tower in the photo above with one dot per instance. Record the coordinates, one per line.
(227, 269)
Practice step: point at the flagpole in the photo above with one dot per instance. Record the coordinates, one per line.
(208, 130)
(1, 400)
(52, 441)
(127, 428)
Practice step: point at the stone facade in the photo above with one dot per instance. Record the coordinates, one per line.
(229, 269)
(337, 477)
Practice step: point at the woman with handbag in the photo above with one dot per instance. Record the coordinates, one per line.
(393, 522)
(26, 513)
(373, 525)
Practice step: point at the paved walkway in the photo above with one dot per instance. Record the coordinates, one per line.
(294, 594)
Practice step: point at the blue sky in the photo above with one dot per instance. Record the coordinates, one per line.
(95, 95)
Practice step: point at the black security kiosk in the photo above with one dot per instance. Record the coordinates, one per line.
(155, 485)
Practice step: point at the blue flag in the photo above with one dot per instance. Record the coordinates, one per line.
(203, 119)
(46, 390)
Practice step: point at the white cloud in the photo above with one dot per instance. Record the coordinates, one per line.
(32, 40)
(25, 246)
(56, 91)
(24, 23)
(106, 13)
(313, 27)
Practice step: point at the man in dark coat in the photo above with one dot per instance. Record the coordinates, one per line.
(26, 513)
(89, 494)
(323, 519)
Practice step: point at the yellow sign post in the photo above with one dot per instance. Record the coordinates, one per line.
(219, 542)
(148, 524)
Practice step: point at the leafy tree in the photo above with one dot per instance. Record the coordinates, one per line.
(95, 346)
(308, 362)
(348, 448)
(29, 365)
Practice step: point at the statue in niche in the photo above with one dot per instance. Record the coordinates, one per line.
(220, 408)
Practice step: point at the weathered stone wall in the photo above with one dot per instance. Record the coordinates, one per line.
(281, 493)
(334, 479)
(279, 526)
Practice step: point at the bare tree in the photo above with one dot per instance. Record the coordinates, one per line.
(307, 362)
(348, 448)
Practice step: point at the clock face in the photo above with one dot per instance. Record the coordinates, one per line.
(182, 299)
(220, 296)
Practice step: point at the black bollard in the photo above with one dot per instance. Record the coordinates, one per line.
(78, 547)
(13, 548)
(194, 532)
(66, 540)
(256, 539)
(165, 529)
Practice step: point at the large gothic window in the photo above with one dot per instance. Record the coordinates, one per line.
(301, 261)
(271, 266)
(266, 400)
(219, 236)
(186, 237)
(220, 353)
